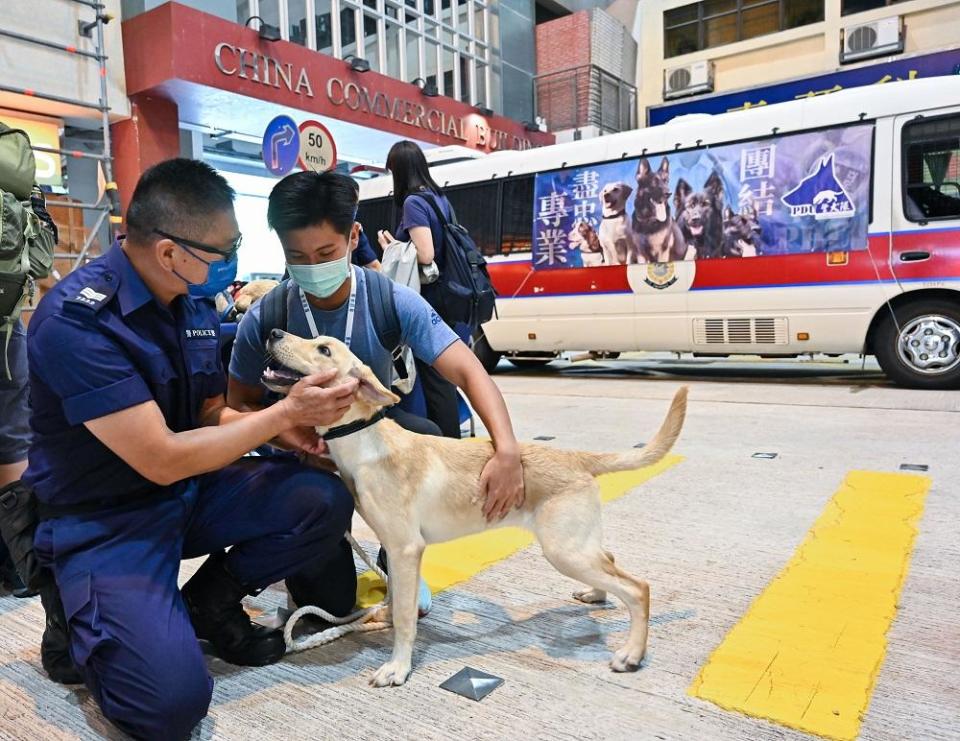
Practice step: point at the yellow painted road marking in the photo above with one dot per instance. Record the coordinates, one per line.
(808, 651)
(446, 564)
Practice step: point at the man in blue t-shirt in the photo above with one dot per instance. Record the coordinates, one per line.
(314, 217)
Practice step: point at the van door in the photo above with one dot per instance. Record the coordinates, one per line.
(919, 344)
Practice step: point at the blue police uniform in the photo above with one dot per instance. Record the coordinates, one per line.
(99, 343)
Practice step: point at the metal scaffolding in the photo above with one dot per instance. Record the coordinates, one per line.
(108, 205)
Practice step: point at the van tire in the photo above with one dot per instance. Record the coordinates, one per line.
(937, 319)
(488, 357)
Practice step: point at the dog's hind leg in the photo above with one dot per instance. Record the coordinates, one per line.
(568, 527)
(592, 596)
(405, 560)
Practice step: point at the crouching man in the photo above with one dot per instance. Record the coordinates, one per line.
(136, 464)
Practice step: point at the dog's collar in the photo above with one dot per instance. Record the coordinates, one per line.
(361, 424)
(617, 215)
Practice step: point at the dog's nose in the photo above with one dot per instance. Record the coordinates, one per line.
(276, 334)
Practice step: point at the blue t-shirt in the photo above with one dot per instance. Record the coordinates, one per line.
(417, 211)
(420, 328)
(364, 254)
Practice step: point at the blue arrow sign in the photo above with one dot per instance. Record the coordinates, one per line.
(281, 145)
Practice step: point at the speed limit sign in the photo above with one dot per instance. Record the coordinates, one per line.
(317, 149)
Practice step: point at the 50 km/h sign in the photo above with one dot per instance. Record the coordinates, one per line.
(318, 152)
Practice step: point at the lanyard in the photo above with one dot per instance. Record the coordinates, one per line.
(351, 306)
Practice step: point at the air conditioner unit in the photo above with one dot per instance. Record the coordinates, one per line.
(691, 79)
(874, 39)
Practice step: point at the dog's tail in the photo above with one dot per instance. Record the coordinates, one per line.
(597, 463)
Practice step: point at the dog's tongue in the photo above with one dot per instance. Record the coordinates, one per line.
(660, 209)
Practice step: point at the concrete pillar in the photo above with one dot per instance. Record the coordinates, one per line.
(149, 136)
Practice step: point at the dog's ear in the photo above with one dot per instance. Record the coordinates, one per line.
(664, 170)
(714, 187)
(643, 169)
(627, 190)
(680, 194)
(370, 389)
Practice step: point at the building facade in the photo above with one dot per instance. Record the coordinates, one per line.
(717, 55)
(475, 51)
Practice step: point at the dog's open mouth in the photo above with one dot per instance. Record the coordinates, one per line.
(277, 375)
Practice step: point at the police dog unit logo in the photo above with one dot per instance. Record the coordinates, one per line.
(820, 195)
(660, 275)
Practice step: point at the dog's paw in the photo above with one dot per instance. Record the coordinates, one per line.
(626, 661)
(590, 596)
(393, 673)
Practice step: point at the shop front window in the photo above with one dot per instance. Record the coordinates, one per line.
(393, 41)
(858, 6)
(269, 11)
(324, 23)
(297, 21)
(348, 32)
(712, 23)
(244, 11)
(371, 42)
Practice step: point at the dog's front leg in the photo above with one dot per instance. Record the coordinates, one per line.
(404, 578)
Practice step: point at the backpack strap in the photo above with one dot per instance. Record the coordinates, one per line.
(431, 200)
(273, 311)
(383, 314)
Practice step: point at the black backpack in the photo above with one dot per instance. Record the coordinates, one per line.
(274, 309)
(465, 292)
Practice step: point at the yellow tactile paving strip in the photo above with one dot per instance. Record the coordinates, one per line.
(807, 652)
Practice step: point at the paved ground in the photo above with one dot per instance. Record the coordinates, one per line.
(708, 533)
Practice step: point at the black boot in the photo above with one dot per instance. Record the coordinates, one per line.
(55, 644)
(12, 582)
(213, 599)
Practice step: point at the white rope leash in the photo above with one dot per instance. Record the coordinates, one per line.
(360, 621)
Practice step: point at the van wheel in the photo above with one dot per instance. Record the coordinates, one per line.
(488, 357)
(921, 349)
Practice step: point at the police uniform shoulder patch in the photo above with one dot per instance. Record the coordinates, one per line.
(96, 294)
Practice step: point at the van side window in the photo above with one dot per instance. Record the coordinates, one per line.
(517, 215)
(931, 188)
(477, 209)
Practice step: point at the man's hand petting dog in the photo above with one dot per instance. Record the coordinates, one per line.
(304, 440)
(310, 404)
(501, 482)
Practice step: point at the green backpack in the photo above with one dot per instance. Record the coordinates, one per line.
(27, 233)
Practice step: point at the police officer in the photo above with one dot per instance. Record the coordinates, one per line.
(136, 463)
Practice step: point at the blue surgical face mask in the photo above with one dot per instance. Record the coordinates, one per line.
(220, 274)
(323, 279)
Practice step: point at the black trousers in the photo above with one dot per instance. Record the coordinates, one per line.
(441, 398)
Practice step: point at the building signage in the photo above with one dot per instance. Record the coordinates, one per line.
(265, 70)
(924, 65)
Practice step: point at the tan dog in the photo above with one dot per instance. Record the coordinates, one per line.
(616, 235)
(414, 490)
(585, 237)
(251, 293)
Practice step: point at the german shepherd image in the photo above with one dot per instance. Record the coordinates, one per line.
(741, 232)
(658, 236)
(700, 215)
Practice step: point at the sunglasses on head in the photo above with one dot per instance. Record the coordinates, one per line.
(228, 254)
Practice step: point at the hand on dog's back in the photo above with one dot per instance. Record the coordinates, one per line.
(308, 404)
